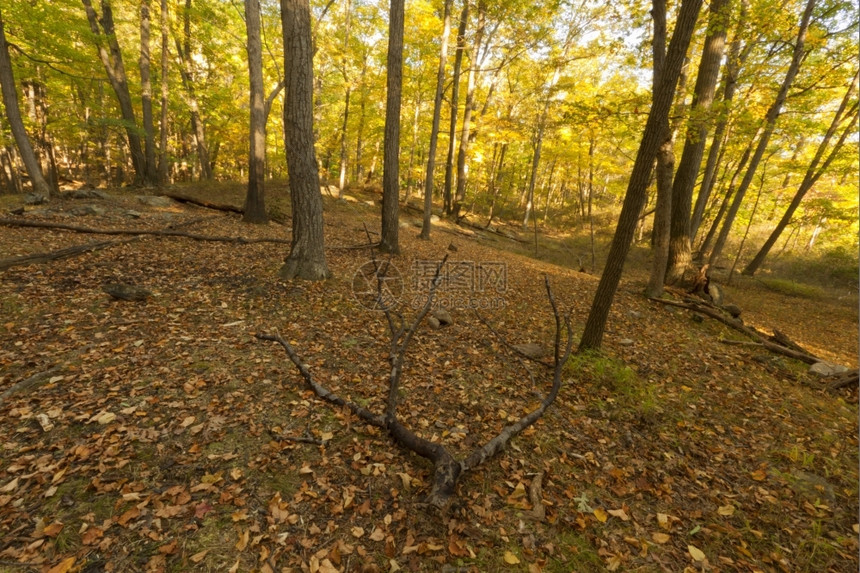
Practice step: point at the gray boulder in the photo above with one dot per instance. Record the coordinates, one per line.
(443, 316)
(827, 369)
(154, 201)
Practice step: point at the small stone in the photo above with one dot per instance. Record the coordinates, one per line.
(733, 310)
(530, 349)
(127, 292)
(827, 369)
(433, 322)
(133, 214)
(35, 199)
(635, 314)
(625, 342)
(443, 316)
(153, 201)
(434, 219)
(87, 210)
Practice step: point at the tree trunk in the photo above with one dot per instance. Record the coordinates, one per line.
(389, 242)
(736, 59)
(150, 174)
(448, 205)
(343, 130)
(813, 173)
(460, 194)
(359, 136)
(111, 57)
(255, 206)
(307, 255)
(769, 125)
(165, 69)
(186, 72)
(16, 124)
(680, 256)
(665, 165)
(638, 185)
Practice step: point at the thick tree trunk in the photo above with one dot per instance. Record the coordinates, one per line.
(680, 256)
(769, 125)
(307, 255)
(111, 57)
(255, 205)
(813, 173)
(460, 194)
(637, 187)
(16, 124)
(389, 242)
(150, 173)
(447, 198)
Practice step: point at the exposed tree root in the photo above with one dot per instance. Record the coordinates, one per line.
(850, 378)
(61, 253)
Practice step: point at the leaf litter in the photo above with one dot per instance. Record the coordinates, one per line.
(167, 438)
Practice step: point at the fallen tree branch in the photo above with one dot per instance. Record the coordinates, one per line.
(741, 327)
(850, 378)
(169, 232)
(61, 253)
(226, 207)
(35, 380)
(447, 470)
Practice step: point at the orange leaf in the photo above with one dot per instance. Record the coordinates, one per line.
(132, 513)
(243, 540)
(63, 566)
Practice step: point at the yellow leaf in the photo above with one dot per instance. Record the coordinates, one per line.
(243, 540)
(620, 514)
(510, 558)
(393, 566)
(377, 535)
(234, 568)
(663, 520)
(660, 538)
(236, 473)
(9, 487)
(63, 566)
(188, 421)
(726, 510)
(696, 553)
(105, 418)
(519, 491)
(601, 515)
(357, 531)
(198, 557)
(326, 436)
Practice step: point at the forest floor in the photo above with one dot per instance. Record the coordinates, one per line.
(162, 436)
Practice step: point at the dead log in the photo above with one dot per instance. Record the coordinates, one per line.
(65, 253)
(169, 232)
(850, 378)
(226, 207)
(35, 380)
(741, 327)
(447, 470)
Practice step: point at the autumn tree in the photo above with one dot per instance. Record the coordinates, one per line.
(307, 254)
(638, 184)
(391, 167)
(255, 206)
(16, 124)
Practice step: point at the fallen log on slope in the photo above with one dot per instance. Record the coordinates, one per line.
(741, 327)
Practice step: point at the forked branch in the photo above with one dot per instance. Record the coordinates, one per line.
(447, 470)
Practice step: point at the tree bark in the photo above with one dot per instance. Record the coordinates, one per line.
(255, 205)
(447, 198)
(165, 69)
(680, 256)
(460, 194)
(665, 164)
(111, 57)
(186, 72)
(638, 185)
(345, 124)
(813, 172)
(769, 125)
(732, 69)
(150, 173)
(307, 255)
(434, 130)
(391, 153)
(16, 124)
